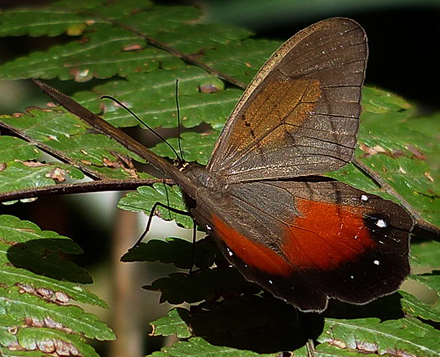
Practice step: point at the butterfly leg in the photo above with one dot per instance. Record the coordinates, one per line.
(175, 210)
(153, 209)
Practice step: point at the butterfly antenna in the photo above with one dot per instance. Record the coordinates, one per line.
(179, 158)
(179, 124)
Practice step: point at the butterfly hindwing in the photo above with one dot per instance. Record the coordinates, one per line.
(307, 241)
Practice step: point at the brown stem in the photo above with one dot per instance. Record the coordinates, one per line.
(83, 187)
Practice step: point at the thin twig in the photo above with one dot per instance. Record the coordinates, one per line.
(82, 187)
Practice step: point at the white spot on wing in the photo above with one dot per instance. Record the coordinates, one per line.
(230, 252)
(381, 223)
(364, 198)
(376, 262)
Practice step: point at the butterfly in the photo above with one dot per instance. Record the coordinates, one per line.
(301, 236)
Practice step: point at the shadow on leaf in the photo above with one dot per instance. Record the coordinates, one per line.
(260, 324)
(49, 257)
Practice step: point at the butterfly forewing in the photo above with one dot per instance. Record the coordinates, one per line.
(300, 114)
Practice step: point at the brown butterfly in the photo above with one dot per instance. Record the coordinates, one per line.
(303, 237)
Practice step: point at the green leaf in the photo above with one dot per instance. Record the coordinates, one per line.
(9, 353)
(431, 280)
(50, 340)
(38, 288)
(405, 336)
(329, 350)
(241, 59)
(152, 97)
(65, 135)
(48, 287)
(38, 22)
(392, 144)
(197, 346)
(12, 148)
(146, 197)
(41, 313)
(426, 254)
(26, 246)
(414, 307)
(172, 324)
(190, 140)
(21, 175)
(112, 48)
(46, 125)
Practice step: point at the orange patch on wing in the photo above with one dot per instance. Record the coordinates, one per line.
(326, 235)
(254, 254)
